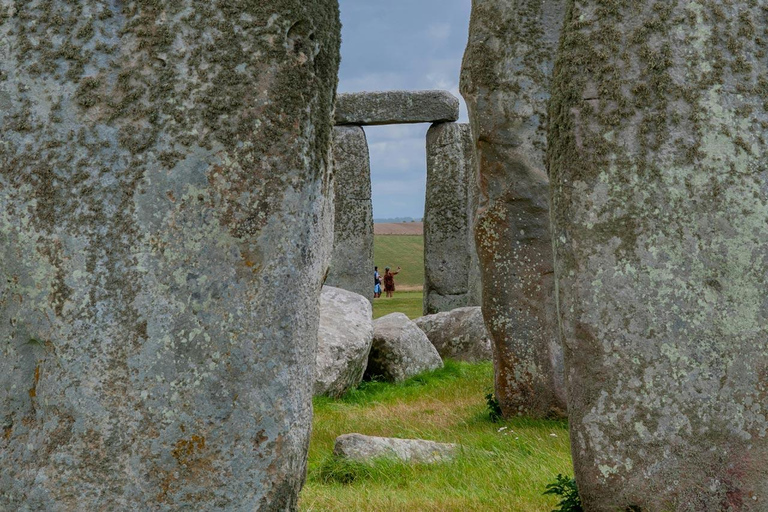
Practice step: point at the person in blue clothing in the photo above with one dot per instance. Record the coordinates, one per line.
(376, 283)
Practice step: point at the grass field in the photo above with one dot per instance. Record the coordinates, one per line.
(503, 466)
(410, 303)
(406, 251)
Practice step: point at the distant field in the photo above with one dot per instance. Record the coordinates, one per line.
(401, 228)
(406, 251)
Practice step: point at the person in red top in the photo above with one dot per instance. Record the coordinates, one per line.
(389, 281)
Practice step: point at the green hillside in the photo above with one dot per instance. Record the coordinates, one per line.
(407, 251)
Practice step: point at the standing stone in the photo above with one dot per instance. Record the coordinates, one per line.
(448, 240)
(660, 221)
(352, 261)
(505, 82)
(163, 168)
(474, 280)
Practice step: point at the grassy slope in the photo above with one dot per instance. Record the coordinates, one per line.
(499, 470)
(407, 251)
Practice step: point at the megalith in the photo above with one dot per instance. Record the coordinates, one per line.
(448, 214)
(163, 237)
(505, 81)
(396, 107)
(660, 224)
(352, 261)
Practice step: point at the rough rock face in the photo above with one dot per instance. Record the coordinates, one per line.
(396, 107)
(505, 82)
(162, 173)
(344, 341)
(366, 448)
(459, 334)
(451, 200)
(660, 216)
(352, 261)
(400, 349)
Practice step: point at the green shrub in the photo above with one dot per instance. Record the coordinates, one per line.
(494, 408)
(566, 489)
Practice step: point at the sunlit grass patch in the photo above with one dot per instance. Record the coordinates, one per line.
(502, 466)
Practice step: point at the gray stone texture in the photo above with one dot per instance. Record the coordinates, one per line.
(459, 334)
(163, 168)
(344, 341)
(368, 448)
(450, 261)
(660, 222)
(352, 261)
(396, 107)
(400, 350)
(505, 82)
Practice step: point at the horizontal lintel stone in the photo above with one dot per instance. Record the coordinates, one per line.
(396, 107)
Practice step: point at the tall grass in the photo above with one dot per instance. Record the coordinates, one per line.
(502, 466)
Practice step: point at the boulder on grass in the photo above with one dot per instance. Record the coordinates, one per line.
(400, 350)
(459, 334)
(366, 448)
(344, 341)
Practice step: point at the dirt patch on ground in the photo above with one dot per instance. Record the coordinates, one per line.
(404, 228)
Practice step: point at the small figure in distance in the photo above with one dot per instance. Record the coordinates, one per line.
(389, 281)
(376, 283)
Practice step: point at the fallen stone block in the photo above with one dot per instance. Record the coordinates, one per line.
(344, 341)
(366, 448)
(400, 350)
(459, 334)
(396, 107)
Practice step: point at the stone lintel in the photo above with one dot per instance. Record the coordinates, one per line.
(396, 107)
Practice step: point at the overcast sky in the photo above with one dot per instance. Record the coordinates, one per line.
(401, 44)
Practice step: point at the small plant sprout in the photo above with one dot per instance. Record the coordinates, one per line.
(566, 489)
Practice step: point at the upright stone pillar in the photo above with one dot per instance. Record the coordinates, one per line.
(448, 214)
(660, 222)
(352, 261)
(505, 82)
(163, 174)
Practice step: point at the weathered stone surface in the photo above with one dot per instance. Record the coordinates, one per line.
(660, 221)
(505, 82)
(352, 261)
(459, 334)
(400, 349)
(162, 172)
(344, 341)
(396, 107)
(367, 448)
(449, 210)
